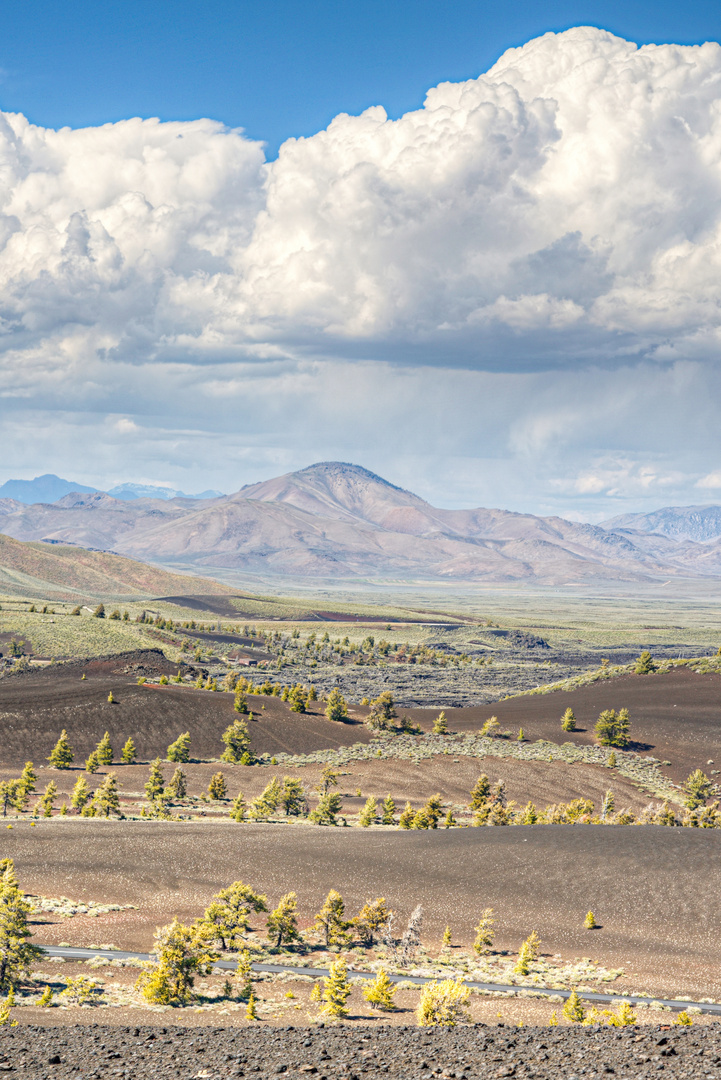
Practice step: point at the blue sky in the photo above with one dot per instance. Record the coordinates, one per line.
(283, 67)
(489, 271)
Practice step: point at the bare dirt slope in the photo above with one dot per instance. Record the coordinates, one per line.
(68, 571)
(35, 707)
(675, 716)
(655, 890)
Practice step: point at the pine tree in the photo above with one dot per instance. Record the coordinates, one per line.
(327, 810)
(433, 809)
(666, 815)
(484, 932)
(612, 760)
(156, 781)
(237, 742)
(81, 794)
(283, 921)
(48, 797)
(217, 787)
(182, 953)
(105, 750)
(111, 699)
(573, 1010)
(480, 792)
(107, 800)
(521, 966)
(297, 699)
(26, 785)
(644, 664)
(450, 820)
(612, 728)
(293, 798)
(240, 704)
(368, 922)
(128, 753)
(244, 974)
(226, 917)
(388, 808)
(62, 755)
(336, 990)
(533, 943)
(331, 920)
(446, 943)
(336, 708)
(238, 809)
(179, 751)
(16, 953)
(568, 720)
(369, 813)
(46, 998)
(697, 789)
(177, 788)
(379, 994)
(590, 922)
(92, 764)
(250, 1012)
(407, 817)
(440, 724)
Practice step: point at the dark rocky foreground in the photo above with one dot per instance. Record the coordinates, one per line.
(93, 1051)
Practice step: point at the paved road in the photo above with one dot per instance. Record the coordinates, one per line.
(595, 999)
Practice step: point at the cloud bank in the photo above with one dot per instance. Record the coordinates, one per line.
(536, 251)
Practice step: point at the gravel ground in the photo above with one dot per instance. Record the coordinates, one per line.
(332, 1053)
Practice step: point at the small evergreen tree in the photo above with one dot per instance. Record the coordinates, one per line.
(440, 724)
(590, 922)
(177, 788)
(450, 820)
(370, 919)
(156, 781)
(62, 755)
(521, 966)
(240, 704)
(369, 813)
(92, 763)
(237, 742)
(379, 994)
(331, 921)
(388, 808)
(293, 798)
(111, 699)
(238, 809)
(446, 943)
(107, 800)
(179, 751)
(644, 664)
(568, 720)
(16, 953)
(250, 1011)
(533, 945)
(217, 788)
(26, 785)
(327, 810)
(226, 917)
(81, 794)
(480, 792)
(48, 797)
(99, 612)
(433, 810)
(336, 708)
(244, 974)
(336, 990)
(573, 1010)
(612, 728)
(182, 953)
(105, 750)
(484, 932)
(297, 699)
(407, 817)
(697, 789)
(128, 753)
(283, 921)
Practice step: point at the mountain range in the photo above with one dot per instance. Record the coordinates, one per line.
(49, 488)
(337, 520)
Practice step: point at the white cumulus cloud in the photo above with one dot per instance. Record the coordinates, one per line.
(560, 213)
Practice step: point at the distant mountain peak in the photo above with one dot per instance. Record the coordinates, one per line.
(345, 470)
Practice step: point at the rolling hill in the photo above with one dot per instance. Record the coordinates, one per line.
(67, 572)
(336, 520)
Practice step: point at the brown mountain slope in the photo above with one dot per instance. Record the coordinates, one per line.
(50, 569)
(338, 520)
